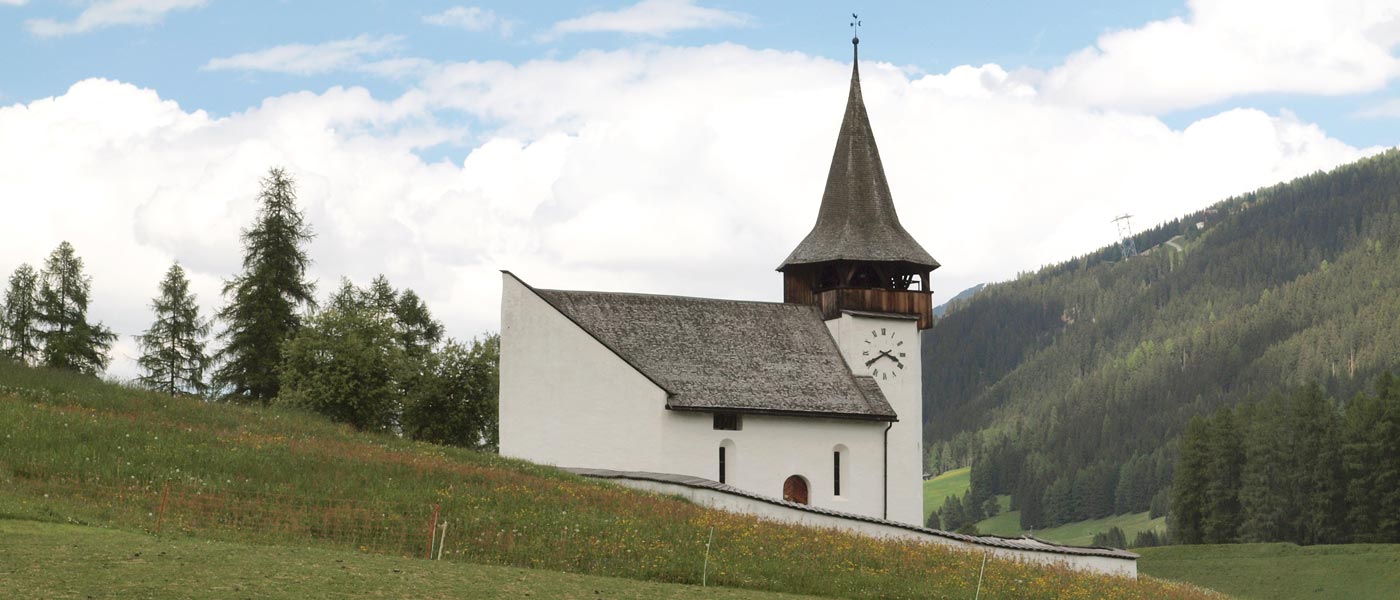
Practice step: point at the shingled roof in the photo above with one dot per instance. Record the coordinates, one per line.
(857, 220)
(728, 355)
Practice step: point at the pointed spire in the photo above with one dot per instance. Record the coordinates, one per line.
(857, 219)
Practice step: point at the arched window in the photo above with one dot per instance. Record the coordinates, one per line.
(726, 460)
(795, 490)
(840, 467)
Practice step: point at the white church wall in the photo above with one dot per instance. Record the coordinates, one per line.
(769, 449)
(904, 393)
(711, 498)
(565, 399)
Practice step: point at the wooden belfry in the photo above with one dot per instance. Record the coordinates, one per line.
(858, 256)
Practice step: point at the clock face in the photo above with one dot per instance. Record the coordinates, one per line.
(884, 354)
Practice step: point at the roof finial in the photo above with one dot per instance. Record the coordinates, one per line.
(855, 31)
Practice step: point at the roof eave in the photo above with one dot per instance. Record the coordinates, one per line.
(784, 413)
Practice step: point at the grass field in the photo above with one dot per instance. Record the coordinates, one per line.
(78, 450)
(49, 560)
(1282, 571)
(1079, 533)
(1008, 523)
(949, 483)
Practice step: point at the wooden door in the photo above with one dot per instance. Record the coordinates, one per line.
(795, 489)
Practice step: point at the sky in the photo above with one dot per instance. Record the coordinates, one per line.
(660, 146)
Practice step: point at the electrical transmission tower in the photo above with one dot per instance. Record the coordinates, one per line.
(1125, 236)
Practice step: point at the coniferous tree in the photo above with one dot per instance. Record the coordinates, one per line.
(1224, 458)
(1113, 538)
(19, 319)
(418, 331)
(1387, 469)
(70, 342)
(1362, 463)
(172, 349)
(1188, 500)
(414, 327)
(264, 300)
(1266, 471)
(952, 514)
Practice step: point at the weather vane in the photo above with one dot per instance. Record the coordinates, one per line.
(855, 26)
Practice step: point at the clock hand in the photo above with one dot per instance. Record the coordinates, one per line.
(883, 353)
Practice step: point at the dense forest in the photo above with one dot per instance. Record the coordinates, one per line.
(1069, 388)
(1292, 468)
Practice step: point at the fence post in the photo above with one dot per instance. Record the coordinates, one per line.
(705, 571)
(164, 496)
(442, 539)
(432, 529)
(980, 573)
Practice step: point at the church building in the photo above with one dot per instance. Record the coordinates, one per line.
(815, 400)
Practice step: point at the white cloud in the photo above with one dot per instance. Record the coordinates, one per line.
(14, 2)
(674, 170)
(1228, 48)
(653, 18)
(308, 59)
(471, 18)
(109, 13)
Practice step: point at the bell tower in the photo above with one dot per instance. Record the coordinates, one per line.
(869, 280)
(857, 256)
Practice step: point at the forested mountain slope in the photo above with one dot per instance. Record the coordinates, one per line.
(1069, 387)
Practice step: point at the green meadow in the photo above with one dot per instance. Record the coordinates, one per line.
(97, 562)
(75, 450)
(1282, 571)
(1008, 523)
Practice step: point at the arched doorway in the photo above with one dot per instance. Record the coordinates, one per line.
(795, 490)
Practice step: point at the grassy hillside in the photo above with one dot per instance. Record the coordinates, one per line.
(1079, 533)
(1283, 571)
(949, 483)
(107, 563)
(1007, 523)
(1073, 383)
(77, 450)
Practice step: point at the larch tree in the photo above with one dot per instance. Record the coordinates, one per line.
(172, 349)
(70, 342)
(19, 321)
(264, 301)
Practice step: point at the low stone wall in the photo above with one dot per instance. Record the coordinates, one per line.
(714, 495)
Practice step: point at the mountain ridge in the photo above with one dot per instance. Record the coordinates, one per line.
(1068, 387)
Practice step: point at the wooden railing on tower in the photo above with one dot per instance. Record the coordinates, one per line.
(905, 302)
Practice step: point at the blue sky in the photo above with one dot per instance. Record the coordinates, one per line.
(168, 54)
(671, 146)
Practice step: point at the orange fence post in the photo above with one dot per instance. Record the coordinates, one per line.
(164, 495)
(432, 529)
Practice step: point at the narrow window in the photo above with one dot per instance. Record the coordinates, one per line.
(727, 422)
(721, 464)
(836, 471)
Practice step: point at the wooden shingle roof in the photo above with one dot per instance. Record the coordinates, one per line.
(728, 355)
(857, 219)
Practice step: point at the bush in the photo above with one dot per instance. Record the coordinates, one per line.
(454, 400)
(345, 364)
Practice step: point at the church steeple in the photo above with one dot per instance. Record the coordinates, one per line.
(857, 242)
